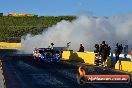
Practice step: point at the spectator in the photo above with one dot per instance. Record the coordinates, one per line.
(125, 50)
(117, 52)
(96, 48)
(81, 49)
(103, 52)
(131, 53)
(100, 49)
(108, 50)
(120, 48)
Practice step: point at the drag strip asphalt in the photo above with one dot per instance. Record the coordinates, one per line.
(24, 72)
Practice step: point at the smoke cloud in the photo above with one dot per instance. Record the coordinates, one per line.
(86, 30)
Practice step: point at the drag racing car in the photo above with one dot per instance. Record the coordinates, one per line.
(47, 54)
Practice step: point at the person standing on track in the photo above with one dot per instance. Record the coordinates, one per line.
(117, 52)
(131, 53)
(120, 48)
(125, 50)
(103, 52)
(108, 50)
(96, 48)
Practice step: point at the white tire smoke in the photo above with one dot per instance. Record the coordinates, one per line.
(86, 30)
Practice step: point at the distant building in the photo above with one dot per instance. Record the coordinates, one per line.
(23, 15)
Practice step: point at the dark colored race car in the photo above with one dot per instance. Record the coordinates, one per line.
(47, 55)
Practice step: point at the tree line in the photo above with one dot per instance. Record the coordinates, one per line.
(12, 28)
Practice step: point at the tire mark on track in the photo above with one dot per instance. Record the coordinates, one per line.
(62, 66)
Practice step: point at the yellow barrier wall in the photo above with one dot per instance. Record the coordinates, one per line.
(5, 45)
(70, 55)
(124, 66)
(66, 55)
(86, 57)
